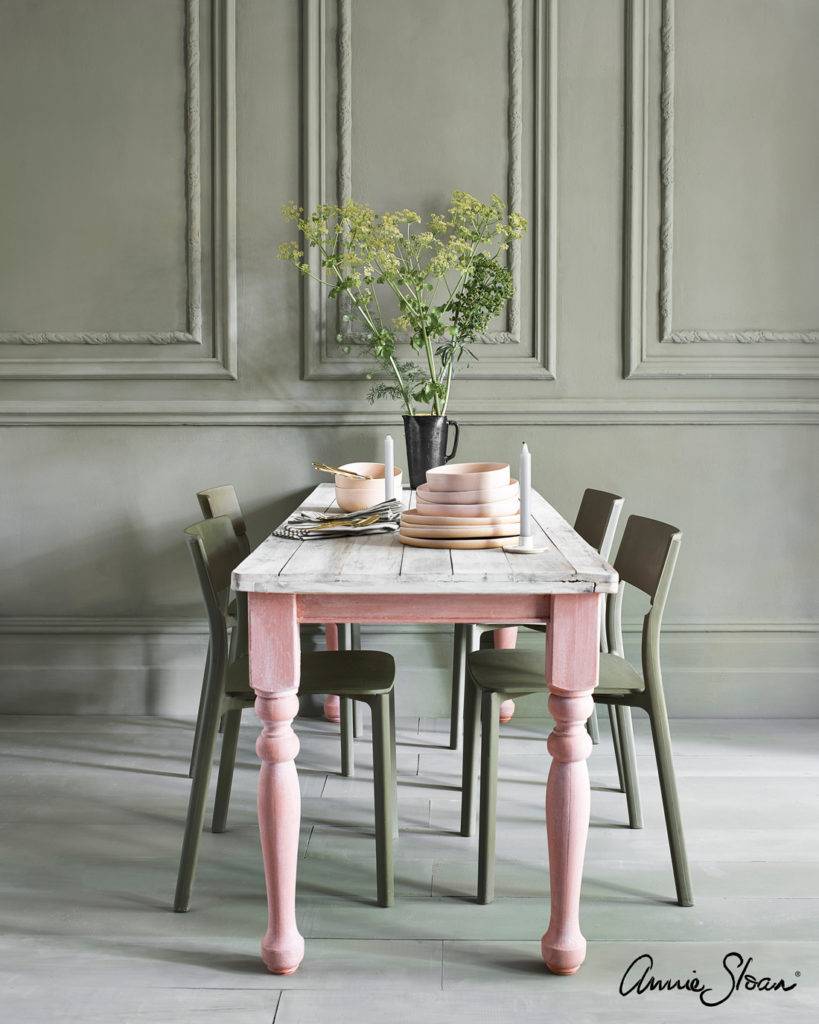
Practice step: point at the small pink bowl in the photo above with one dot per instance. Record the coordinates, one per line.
(353, 495)
(468, 476)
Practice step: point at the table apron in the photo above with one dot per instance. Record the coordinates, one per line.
(373, 608)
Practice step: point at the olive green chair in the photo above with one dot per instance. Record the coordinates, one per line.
(223, 501)
(219, 501)
(596, 522)
(365, 676)
(645, 560)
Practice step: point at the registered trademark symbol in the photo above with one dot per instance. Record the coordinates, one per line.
(797, 974)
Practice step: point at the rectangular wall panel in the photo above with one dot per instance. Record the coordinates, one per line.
(722, 189)
(119, 156)
(472, 107)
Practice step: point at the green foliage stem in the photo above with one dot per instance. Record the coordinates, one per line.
(460, 253)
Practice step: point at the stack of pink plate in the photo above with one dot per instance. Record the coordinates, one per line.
(464, 505)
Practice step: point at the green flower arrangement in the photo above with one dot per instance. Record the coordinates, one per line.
(446, 275)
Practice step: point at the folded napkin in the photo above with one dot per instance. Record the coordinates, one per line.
(381, 518)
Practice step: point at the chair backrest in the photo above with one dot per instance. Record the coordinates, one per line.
(597, 519)
(645, 559)
(222, 501)
(647, 555)
(216, 551)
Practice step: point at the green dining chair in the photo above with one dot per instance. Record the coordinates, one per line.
(596, 522)
(219, 501)
(645, 560)
(223, 501)
(365, 676)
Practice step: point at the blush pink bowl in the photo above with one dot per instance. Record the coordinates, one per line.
(475, 477)
(353, 495)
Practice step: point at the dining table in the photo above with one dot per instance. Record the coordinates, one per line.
(375, 578)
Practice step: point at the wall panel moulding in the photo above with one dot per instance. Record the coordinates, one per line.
(119, 252)
(720, 249)
(557, 412)
(334, 82)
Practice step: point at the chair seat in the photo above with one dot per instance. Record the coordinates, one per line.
(518, 673)
(617, 677)
(350, 673)
(511, 673)
(237, 683)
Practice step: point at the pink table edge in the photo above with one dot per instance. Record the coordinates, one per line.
(571, 667)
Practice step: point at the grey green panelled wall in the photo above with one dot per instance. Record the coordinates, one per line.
(664, 343)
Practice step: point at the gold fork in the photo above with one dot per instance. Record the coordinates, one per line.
(332, 523)
(340, 472)
(363, 521)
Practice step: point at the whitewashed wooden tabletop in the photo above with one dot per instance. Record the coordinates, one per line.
(381, 564)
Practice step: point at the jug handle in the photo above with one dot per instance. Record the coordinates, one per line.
(452, 423)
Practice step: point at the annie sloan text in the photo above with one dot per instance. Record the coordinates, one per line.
(734, 976)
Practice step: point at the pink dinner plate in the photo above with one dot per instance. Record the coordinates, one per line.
(453, 542)
(468, 476)
(488, 508)
(503, 493)
(503, 530)
(412, 518)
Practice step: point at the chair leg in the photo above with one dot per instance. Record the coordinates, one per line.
(199, 790)
(459, 652)
(197, 733)
(631, 779)
(346, 724)
(227, 761)
(393, 767)
(487, 813)
(346, 708)
(592, 727)
(671, 808)
(618, 750)
(383, 792)
(469, 772)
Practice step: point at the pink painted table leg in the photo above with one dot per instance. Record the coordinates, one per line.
(505, 639)
(332, 710)
(572, 655)
(274, 675)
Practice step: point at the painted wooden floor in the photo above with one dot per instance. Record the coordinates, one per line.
(91, 813)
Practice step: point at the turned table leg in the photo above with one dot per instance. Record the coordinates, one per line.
(572, 655)
(274, 675)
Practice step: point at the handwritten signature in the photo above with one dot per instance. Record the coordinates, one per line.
(638, 978)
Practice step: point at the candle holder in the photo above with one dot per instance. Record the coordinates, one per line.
(524, 546)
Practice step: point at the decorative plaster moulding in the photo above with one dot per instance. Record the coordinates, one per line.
(545, 411)
(696, 352)
(319, 362)
(114, 354)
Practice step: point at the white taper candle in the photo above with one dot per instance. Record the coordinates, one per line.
(525, 478)
(389, 468)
